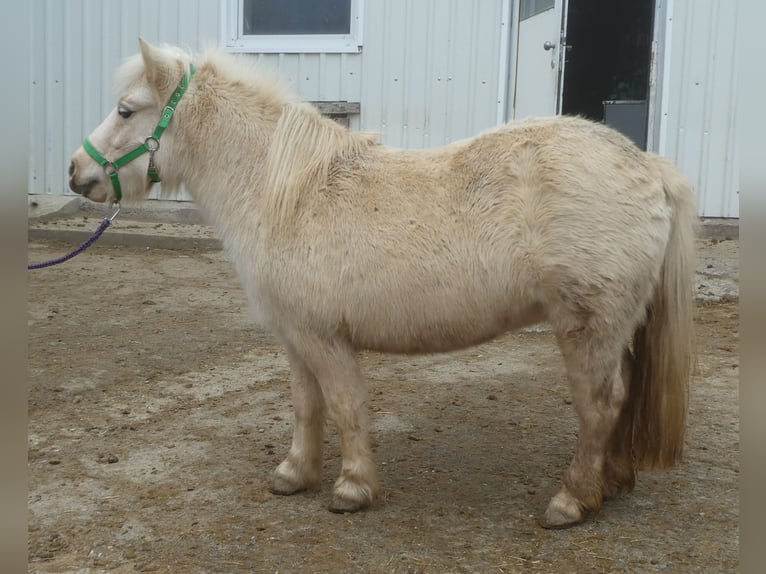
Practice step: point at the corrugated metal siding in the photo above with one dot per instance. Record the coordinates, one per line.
(76, 47)
(320, 77)
(700, 127)
(430, 69)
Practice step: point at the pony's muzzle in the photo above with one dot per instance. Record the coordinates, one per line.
(83, 187)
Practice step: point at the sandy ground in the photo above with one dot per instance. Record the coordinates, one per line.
(157, 413)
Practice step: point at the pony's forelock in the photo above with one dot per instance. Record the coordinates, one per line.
(132, 67)
(128, 73)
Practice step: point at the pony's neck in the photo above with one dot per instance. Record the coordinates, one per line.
(222, 142)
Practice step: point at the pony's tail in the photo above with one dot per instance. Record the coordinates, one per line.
(664, 346)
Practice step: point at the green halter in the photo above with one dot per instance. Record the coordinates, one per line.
(151, 144)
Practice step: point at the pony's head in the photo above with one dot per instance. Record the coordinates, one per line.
(104, 167)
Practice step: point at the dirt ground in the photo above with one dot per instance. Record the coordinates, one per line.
(157, 413)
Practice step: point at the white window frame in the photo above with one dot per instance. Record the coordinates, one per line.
(235, 41)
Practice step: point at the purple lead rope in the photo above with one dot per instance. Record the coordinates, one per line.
(87, 243)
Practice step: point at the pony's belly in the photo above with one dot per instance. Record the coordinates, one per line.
(410, 332)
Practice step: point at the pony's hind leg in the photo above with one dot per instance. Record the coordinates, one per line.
(594, 367)
(302, 468)
(619, 464)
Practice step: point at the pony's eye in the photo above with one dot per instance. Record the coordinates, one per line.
(124, 112)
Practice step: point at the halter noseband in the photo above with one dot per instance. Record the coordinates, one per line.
(151, 144)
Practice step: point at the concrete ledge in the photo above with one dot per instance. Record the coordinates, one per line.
(117, 238)
(151, 211)
(719, 228)
(47, 207)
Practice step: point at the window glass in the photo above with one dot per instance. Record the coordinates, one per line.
(287, 17)
(529, 8)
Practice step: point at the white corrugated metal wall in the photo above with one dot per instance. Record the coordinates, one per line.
(430, 69)
(698, 130)
(321, 77)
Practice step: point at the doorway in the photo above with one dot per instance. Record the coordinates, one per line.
(607, 56)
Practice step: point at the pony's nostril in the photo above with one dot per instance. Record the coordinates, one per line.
(82, 188)
(71, 168)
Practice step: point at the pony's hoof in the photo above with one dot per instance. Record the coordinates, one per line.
(555, 520)
(283, 487)
(341, 505)
(563, 511)
(287, 481)
(351, 496)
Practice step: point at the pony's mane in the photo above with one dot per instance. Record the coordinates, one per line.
(304, 146)
(249, 72)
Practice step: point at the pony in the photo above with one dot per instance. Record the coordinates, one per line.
(344, 244)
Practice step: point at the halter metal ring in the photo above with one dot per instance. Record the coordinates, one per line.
(109, 168)
(152, 144)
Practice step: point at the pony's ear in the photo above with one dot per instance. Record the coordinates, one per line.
(159, 67)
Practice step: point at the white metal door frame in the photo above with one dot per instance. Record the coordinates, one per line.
(559, 34)
(507, 65)
(513, 51)
(563, 6)
(659, 77)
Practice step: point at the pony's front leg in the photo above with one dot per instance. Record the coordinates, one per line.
(334, 365)
(302, 469)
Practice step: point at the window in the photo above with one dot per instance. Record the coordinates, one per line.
(529, 8)
(292, 26)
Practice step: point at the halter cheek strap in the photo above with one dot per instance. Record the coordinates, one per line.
(150, 145)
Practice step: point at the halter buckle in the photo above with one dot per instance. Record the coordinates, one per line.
(153, 171)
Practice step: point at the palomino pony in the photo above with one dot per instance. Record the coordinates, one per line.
(344, 244)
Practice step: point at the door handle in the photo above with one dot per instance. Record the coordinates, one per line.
(548, 45)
